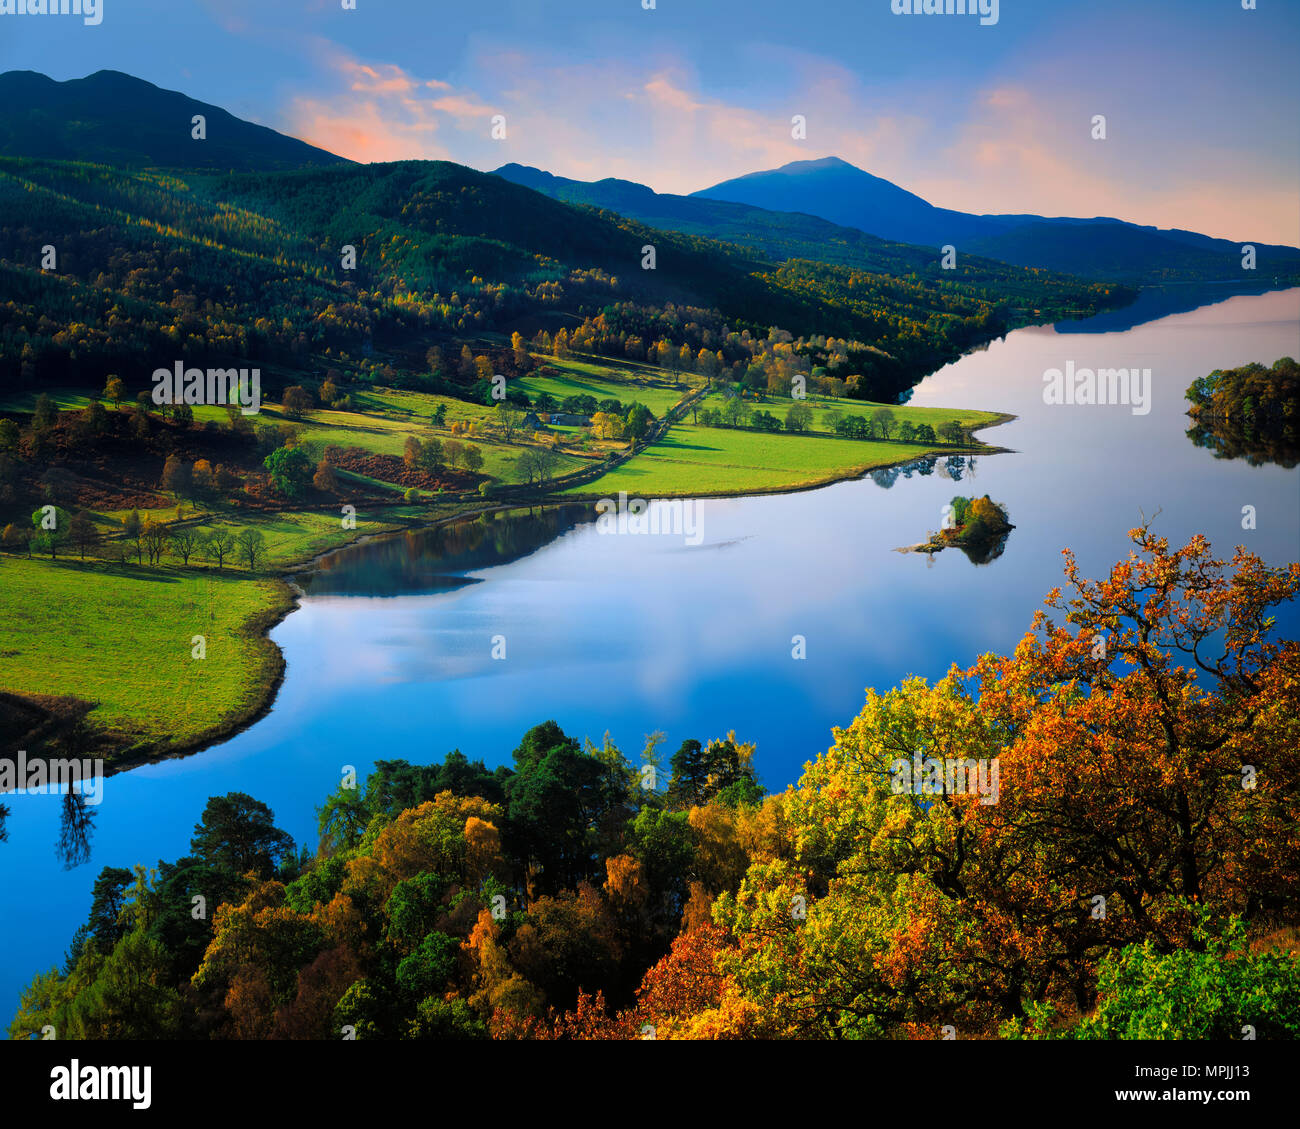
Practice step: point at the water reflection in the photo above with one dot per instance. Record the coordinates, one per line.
(437, 559)
(1155, 302)
(76, 823)
(1238, 439)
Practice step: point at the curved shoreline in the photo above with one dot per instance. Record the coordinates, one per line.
(288, 593)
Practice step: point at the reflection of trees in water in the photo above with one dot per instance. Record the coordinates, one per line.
(953, 466)
(76, 824)
(427, 559)
(1248, 413)
(984, 551)
(496, 538)
(1232, 439)
(885, 477)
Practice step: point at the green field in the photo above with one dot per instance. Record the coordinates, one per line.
(120, 635)
(823, 405)
(709, 460)
(606, 382)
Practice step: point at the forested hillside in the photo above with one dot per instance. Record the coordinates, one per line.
(149, 267)
(114, 118)
(780, 235)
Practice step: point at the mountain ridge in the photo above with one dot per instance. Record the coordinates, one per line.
(110, 117)
(831, 188)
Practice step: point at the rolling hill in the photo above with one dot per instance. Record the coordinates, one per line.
(114, 119)
(205, 262)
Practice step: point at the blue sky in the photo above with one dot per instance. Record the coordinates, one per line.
(1200, 96)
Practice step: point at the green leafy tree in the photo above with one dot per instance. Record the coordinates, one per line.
(218, 545)
(52, 528)
(237, 834)
(291, 470)
(637, 422)
(1218, 988)
(430, 967)
(798, 417)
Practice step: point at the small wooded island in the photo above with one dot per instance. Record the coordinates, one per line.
(979, 527)
(1250, 413)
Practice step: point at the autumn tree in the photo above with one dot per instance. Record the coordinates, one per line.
(411, 452)
(606, 425)
(204, 481)
(154, 536)
(296, 401)
(178, 477)
(325, 479)
(1137, 757)
(520, 347)
(16, 539)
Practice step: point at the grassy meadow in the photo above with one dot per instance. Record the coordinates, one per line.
(711, 460)
(119, 636)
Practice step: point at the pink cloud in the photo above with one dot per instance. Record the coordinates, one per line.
(1020, 145)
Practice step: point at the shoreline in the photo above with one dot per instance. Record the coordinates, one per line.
(288, 595)
(848, 475)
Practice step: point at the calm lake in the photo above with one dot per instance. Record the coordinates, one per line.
(390, 654)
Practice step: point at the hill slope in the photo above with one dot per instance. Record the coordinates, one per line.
(115, 119)
(249, 265)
